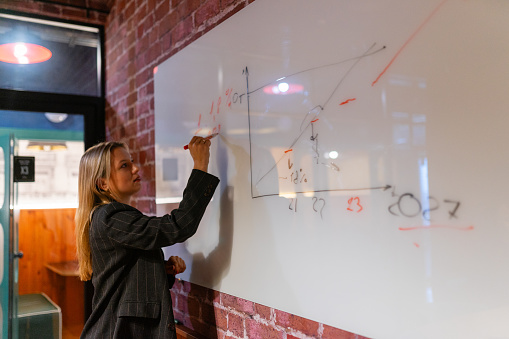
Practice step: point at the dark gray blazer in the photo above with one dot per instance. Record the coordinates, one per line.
(131, 290)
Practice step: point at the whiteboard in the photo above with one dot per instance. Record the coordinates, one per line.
(369, 193)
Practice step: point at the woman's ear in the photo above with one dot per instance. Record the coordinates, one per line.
(102, 184)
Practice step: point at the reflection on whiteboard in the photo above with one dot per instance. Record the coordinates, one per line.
(353, 137)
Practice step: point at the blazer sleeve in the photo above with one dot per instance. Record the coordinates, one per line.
(127, 227)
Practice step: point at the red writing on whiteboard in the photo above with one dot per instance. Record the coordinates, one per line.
(347, 101)
(215, 110)
(354, 205)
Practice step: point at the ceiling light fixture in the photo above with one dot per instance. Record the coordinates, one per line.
(23, 53)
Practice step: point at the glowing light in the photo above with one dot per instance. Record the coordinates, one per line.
(20, 50)
(283, 87)
(23, 53)
(333, 154)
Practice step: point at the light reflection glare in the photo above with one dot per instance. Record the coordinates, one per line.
(283, 87)
(333, 154)
(20, 50)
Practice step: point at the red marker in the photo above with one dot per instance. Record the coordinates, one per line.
(206, 138)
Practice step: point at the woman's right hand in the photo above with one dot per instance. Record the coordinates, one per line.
(200, 151)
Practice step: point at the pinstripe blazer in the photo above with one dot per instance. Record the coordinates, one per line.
(131, 290)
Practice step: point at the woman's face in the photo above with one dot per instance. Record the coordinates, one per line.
(124, 178)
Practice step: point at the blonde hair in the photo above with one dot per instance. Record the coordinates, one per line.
(95, 165)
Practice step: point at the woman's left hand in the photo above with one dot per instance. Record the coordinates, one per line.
(175, 265)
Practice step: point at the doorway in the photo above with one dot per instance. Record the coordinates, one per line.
(46, 296)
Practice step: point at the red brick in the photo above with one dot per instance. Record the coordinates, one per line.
(207, 11)
(49, 8)
(175, 3)
(141, 12)
(303, 325)
(182, 30)
(202, 328)
(131, 99)
(208, 314)
(194, 307)
(221, 318)
(255, 329)
(236, 325)
(217, 297)
(186, 286)
(239, 304)
(181, 304)
(185, 8)
(201, 293)
(129, 11)
(143, 76)
(162, 8)
(70, 12)
(226, 3)
(98, 4)
(168, 22)
(336, 333)
(232, 12)
(263, 311)
(147, 24)
(141, 44)
(151, 4)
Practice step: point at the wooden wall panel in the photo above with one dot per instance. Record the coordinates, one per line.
(47, 236)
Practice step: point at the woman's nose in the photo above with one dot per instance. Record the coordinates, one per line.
(136, 169)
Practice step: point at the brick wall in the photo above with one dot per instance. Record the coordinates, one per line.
(96, 13)
(219, 315)
(140, 34)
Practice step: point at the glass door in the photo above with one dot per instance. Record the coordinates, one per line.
(37, 218)
(4, 233)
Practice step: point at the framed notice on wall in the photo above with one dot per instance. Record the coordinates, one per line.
(24, 169)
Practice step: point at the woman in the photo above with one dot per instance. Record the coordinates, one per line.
(119, 248)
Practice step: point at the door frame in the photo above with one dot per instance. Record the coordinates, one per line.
(93, 111)
(91, 108)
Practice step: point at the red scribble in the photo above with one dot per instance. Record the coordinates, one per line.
(289, 150)
(347, 101)
(212, 108)
(350, 201)
(459, 228)
(218, 104)
(408, 41)
(416, 245)
(315, 120)
(228, 94)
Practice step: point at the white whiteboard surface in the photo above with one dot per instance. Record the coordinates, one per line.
(405, 234)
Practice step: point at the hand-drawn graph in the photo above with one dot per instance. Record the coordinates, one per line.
(298, 114)
(307, 109)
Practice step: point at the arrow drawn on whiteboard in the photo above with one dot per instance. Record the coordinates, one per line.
(383, 188)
